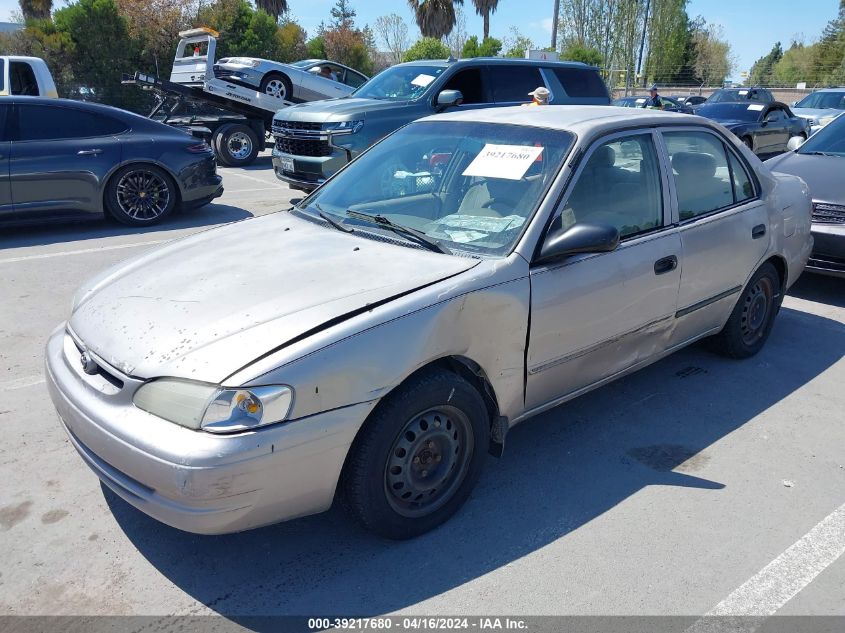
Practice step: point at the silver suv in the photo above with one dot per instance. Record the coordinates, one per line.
(314, 140)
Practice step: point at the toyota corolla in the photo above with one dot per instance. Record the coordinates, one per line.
(374, 342)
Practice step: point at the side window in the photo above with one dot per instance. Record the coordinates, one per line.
(2, 74)
(4, 118)
(742, 187)
(581, 82)
(354, 79)
(511, 84)
(470, 84)
(620, 186)
(776, 114)
(47, 122)
(22, 79)
(701, 173)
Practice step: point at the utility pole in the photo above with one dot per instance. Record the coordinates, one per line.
(554, 24)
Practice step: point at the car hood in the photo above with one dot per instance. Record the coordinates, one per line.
(340, 109)
(815, 112)
(729, 123)
(823, 174)
(208, 305)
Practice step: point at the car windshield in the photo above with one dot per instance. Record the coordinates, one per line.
(828, 140)
(731, 111)
(724, 96)
(469, 186)
(823, 100)
(400, 83)
(305, 62)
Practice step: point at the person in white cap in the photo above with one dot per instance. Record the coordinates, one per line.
(540, 97)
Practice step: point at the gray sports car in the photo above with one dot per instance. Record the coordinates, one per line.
(821, 163)
(306, 80)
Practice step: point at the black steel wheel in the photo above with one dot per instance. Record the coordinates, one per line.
(140, 195)
(752, 318)
(418, 456)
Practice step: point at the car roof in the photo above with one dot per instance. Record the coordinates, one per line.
(496, 61)
(840, 89)
(573, 118)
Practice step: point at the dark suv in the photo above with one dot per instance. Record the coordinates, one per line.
(314, 140)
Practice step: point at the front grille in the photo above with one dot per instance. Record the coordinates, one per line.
(292, 137)
(828, 213)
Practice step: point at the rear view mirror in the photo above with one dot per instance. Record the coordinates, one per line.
(579, 238)
(449, 98)
(794, 143)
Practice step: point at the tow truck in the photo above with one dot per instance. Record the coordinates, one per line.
(236, 121)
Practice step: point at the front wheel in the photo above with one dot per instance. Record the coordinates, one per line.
(752, 318)
(417, 457)
(139, 195)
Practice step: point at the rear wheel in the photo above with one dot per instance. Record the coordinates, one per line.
(140, 195)
(276, 85)
(235, 145)
(417, 457)
(751, 321)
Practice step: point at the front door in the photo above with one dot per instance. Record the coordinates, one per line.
(595, 315)
(6, 206)
(59, 160)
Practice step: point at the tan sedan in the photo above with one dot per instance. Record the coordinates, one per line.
(469, 271)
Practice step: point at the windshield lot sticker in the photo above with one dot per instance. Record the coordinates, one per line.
(422, 80)
(503, 161)
(756, 106)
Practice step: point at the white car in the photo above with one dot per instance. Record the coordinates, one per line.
(821, 107)
(306, 80)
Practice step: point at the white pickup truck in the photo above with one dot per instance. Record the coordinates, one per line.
(27, 76)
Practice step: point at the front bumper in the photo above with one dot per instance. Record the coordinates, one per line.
(309, 172)
(196, 481)
(828, 256)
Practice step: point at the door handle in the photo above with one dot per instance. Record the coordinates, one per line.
(89, 152)
(665, 265)
(758, 231)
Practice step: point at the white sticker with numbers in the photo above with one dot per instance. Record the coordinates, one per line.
(503, 161)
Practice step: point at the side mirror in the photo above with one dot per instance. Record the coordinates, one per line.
(793, 104)
(579, 238)
(449, 98)
(794, 143)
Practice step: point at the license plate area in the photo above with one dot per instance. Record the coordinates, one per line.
(286, 163)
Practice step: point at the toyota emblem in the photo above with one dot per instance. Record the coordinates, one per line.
(88, 364)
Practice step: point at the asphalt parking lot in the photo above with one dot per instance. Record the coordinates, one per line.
(699, 485)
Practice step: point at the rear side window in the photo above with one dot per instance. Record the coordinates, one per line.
(354, 79)
(581, 82)
(2, 74)
(743, 189)
(700, 169)
(511, 84)
(47, 122)
(22, 79)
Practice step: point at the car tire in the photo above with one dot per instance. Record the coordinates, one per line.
(417, 457)
(277, 85)
(752, 318)
(235, 145)
(140, 195)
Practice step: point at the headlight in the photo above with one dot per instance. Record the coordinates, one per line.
(213, 408)
(343, 126)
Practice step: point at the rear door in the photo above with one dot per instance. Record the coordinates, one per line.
(60, 157)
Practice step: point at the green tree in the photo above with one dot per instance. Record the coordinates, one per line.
(795, 66)
(484, 8)
(343, 15)
(489, 47)
(36, 9)
(829, 55)
(578, 53)
(515, 44)
(426, 48)
(316, 47)
(273, 8)
(436, 18)
(762, 70)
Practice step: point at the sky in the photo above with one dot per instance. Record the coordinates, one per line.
(751, 26)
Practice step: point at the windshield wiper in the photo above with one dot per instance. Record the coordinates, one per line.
(821, 154)
(380, 220)
(328, 218)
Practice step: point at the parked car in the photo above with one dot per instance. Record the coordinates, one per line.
(764, 127)
(26, 76)
(480, 288)
(819, 162)
(73, 159)
(756, 94)
(690, 100)
(669, 104)
(821, 107)
(300, 81)
(314, 140)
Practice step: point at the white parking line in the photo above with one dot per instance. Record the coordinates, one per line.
(81, 251)
(20, 383)
(263, 182)
(778, 582)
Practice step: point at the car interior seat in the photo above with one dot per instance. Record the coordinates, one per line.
(699, 190)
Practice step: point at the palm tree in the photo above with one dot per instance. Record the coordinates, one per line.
(274, 7)
(436, 18)
(36, 9)
(484, 8)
